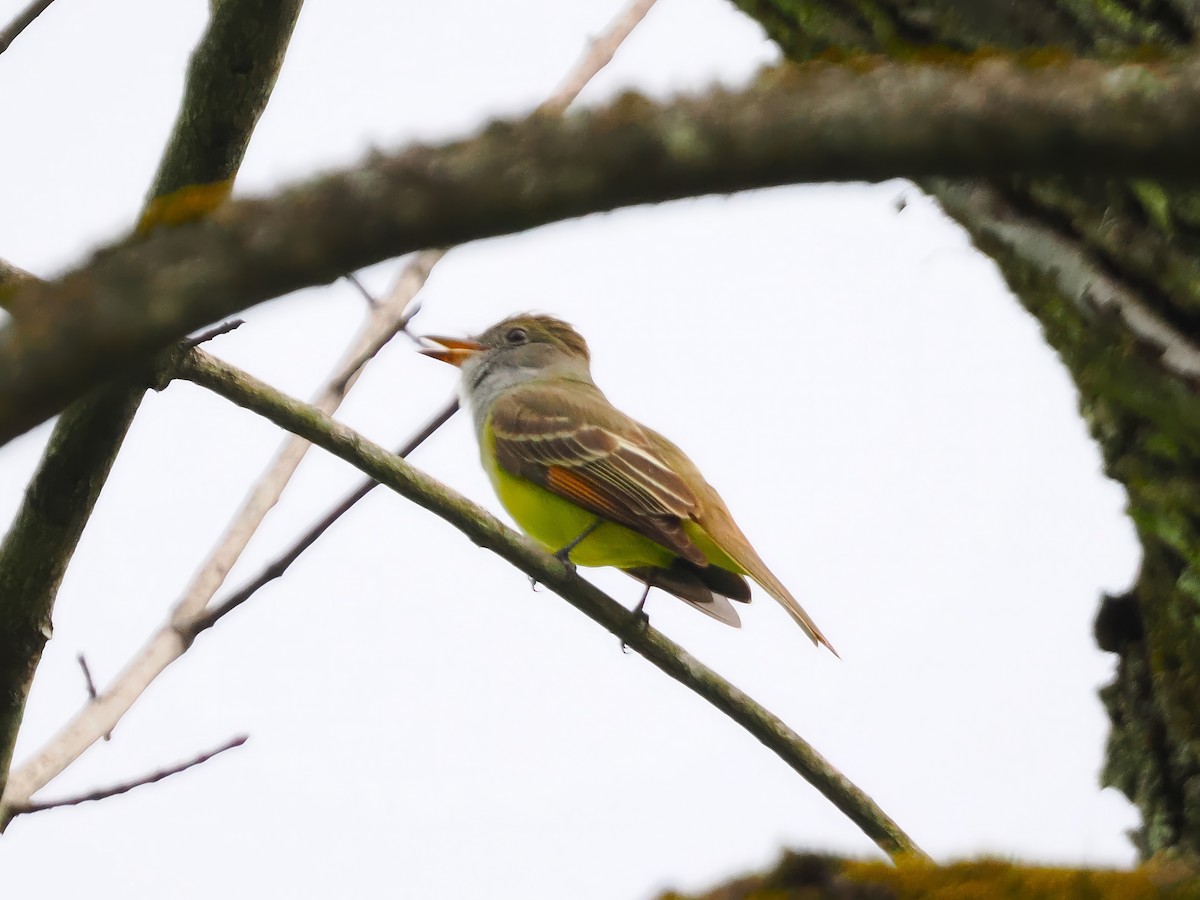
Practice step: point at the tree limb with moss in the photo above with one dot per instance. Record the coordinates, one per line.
(804, 876)
(867, 120)
(1143, 232)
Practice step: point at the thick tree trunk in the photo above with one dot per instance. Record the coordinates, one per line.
(1111, 269)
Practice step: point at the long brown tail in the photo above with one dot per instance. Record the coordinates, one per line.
(775, 588)
(745, 556)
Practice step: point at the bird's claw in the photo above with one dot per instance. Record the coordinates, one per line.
(564, 557)
(641, 618)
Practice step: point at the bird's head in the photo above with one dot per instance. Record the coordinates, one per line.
(520, 347)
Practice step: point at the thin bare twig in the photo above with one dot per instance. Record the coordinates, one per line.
(90, 685)
(388, 317)
(372, 300)
(87, 676)
(23, 20)
(130, 785)
(281, 563)
(173, 639)
(394, 314)
(600, 53)
(209, 333)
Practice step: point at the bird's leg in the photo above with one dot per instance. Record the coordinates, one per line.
(563, 555)
(639, 611)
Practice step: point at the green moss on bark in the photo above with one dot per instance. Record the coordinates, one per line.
(1144, 415)
(1148, 426)
(813, 877)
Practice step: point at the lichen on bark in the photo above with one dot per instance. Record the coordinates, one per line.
(1143, 414)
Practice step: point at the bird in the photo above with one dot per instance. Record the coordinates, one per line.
(591, 484)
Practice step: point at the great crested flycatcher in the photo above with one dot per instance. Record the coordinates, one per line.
(590, 483)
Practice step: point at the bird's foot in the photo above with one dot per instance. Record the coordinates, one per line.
(641, 618)
(563, 554)
(564, 557)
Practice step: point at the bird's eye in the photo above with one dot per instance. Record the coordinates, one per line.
(516, 336)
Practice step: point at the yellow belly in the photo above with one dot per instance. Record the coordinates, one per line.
(554, 522)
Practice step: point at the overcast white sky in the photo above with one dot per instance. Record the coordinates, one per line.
(880, 414)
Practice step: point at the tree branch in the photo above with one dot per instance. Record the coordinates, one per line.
(808, 876)
(488, 532)
(819, 121)
(209, 334)
(90, 684)
(87, 675)
(12, 278)
(24, 19)
(230, 79)
(231, 76)
(279, 566)
(599, 54)
(152, 778)
(1136, 241)
(39, 543)
(1079, 277)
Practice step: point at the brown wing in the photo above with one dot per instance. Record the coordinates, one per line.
(570, 440)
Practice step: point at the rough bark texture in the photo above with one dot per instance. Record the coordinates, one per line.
(1145, 235)
(49, 519)
(989, 115)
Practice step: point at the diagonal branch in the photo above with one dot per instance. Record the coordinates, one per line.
(232, 73)
(599, 54)
(487, 531)
(386, 320)
(24, 19)
(820, 121)
(283, 562)
(126, 787)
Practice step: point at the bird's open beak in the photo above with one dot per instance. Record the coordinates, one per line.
(450, 350)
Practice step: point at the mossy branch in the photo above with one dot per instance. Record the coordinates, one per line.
(1130, 346)
(487, 531)
(806, 876)
(869, 120)
(233, 71)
